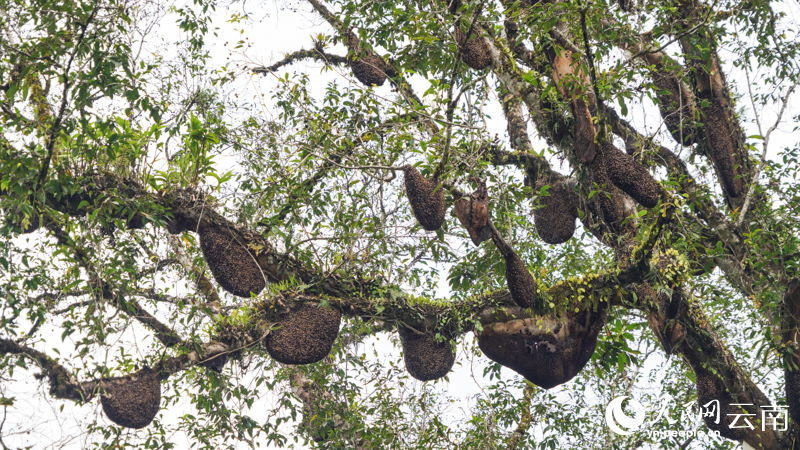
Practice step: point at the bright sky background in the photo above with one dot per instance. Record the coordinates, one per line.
(272, 33)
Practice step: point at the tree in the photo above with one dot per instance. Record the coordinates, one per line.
(160, 233)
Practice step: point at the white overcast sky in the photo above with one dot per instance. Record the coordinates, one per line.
(272, 33)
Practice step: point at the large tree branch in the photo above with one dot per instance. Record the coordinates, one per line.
(525, 418)
(315, 54)
(213, 302)
(112, 295)
(396, 78)
(62, 384)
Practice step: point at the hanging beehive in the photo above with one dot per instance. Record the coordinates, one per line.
(677, 108)
(547, 351)
(519, 280)
(367, 67)
(555, 220)
(473, 213)
(792, 391)
(132, 401)
(231, 263)
(215, 361)
(609, 199)
(178, 225)
(16, 220)
(475, 53)
(304, 335)
(427, 202)
(135, 223)
(425, 358)
(627, 5)
(790, 313)
(710, 388)
(722, 144)
(630, 176)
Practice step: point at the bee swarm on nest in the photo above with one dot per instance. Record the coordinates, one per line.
(231, 263)
(427, 202)
(547, 351)
(304, 335)
(425, 358)
(132, 401)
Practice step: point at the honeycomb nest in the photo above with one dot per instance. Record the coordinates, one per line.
(425, 358)
(473, 213)
(583, 131)
(427, 205)
(630, 176)
(367, 67)
(678, 111)
(305, 335)
(475, 53)
(34, 222)
(627, 5)
(547, 351)
(710, 388)
(555, 221)
(136, 222)
(132, 401)
(609, 200)
(178, 225)
(520, 282)
(722, 144)
(233, 266)
(215, 362)
(792, 390)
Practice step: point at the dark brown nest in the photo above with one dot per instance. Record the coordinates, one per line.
(630, 176)
(473, 213)
(232, 264)
(305, 335)
(132, 401)
(367, 67)
(215, 362)
(663, 322)
(178, 225)
(583, 131)
(476, 53)
(677, 108)
(547, 351)
(555, 221)
(34, 222)
(135, 223)
(627, 5)
(425, 358)
(608, 199)
(722, 144)
(710, 388)
(520, 282)
(427, 202)
(792, 390)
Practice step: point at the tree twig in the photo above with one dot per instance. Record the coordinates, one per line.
(315, 54)
(765, 145)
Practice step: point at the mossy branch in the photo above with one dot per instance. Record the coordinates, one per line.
(395, 77)
(525, 418)
(113, 296)
(291, 58)
(62, 384)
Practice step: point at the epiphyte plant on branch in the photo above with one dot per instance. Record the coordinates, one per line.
(610, 191)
